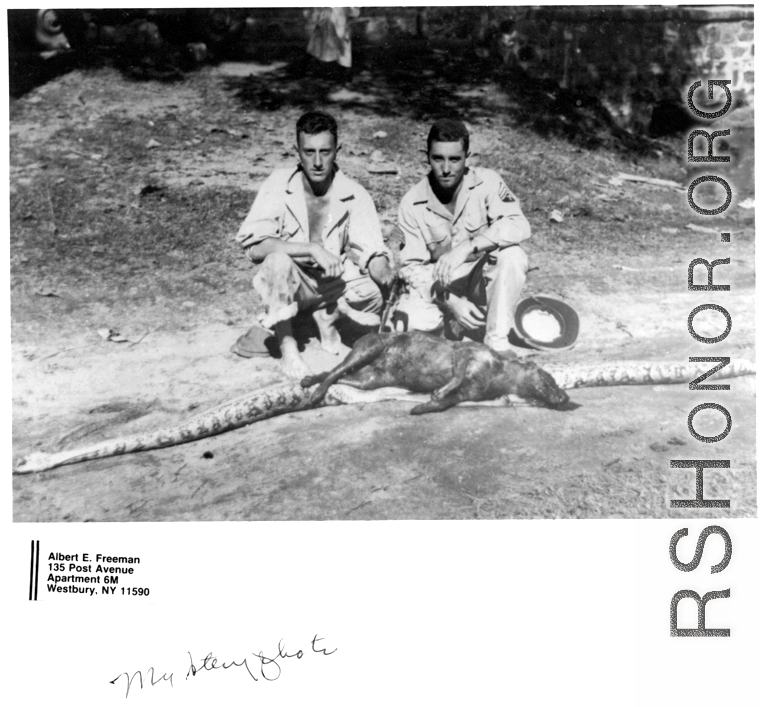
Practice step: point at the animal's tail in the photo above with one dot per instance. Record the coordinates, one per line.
(643, 373)
(236, 413)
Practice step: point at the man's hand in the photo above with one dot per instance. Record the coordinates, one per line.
(444, 268)
(465, 312)
(380, 271)
(330, 264)
(305, 261)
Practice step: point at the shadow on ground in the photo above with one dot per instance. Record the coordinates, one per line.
(423, 82)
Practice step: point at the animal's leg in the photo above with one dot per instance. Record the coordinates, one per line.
(311, 380)
(349, 364)
(367, 378)
(434, 405)
(461, 361)
(369, 348)
(357, 354)
(371, 377)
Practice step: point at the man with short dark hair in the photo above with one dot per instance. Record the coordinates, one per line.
(317, 236)
(462, 263)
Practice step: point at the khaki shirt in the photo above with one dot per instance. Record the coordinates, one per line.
(483, 200)
(352, 231)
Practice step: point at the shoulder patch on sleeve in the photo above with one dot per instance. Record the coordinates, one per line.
(505, 194)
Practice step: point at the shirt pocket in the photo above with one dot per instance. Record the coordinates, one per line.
(437, 229)
(476, 220)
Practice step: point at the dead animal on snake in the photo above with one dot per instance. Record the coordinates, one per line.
(453, 371)
(486, 377)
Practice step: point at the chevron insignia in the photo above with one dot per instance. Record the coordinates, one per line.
(505, 194)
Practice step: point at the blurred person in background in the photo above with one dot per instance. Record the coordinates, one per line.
(329, 30)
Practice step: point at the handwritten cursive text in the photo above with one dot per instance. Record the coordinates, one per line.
(258, 666)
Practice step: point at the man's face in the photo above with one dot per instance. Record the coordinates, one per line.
(317, 154)
(447, 164)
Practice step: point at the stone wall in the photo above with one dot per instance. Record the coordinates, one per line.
(637, 60)
(633, 58)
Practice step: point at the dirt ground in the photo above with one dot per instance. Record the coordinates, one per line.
(124, 200)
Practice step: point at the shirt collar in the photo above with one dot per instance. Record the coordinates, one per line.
(342, 192)
(341, 185)
(469, 182)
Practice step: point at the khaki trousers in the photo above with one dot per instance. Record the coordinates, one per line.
(286, 288)
(493, 283)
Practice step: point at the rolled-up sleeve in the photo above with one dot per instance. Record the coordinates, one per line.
(365, 237)
(508, 224)
(264, 220)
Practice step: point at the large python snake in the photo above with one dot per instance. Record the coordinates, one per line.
(286, 398)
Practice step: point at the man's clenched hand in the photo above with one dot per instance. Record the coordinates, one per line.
(330, 264)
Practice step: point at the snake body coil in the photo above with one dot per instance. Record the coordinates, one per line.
(283, 399)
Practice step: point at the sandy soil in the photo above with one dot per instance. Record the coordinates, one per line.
(621, 262)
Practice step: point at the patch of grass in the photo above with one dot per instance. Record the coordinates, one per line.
(113, 250)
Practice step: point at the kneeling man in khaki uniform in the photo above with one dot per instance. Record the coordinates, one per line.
(461, 262)
(317, 236)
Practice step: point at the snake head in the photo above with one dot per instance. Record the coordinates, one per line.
(34, 462)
